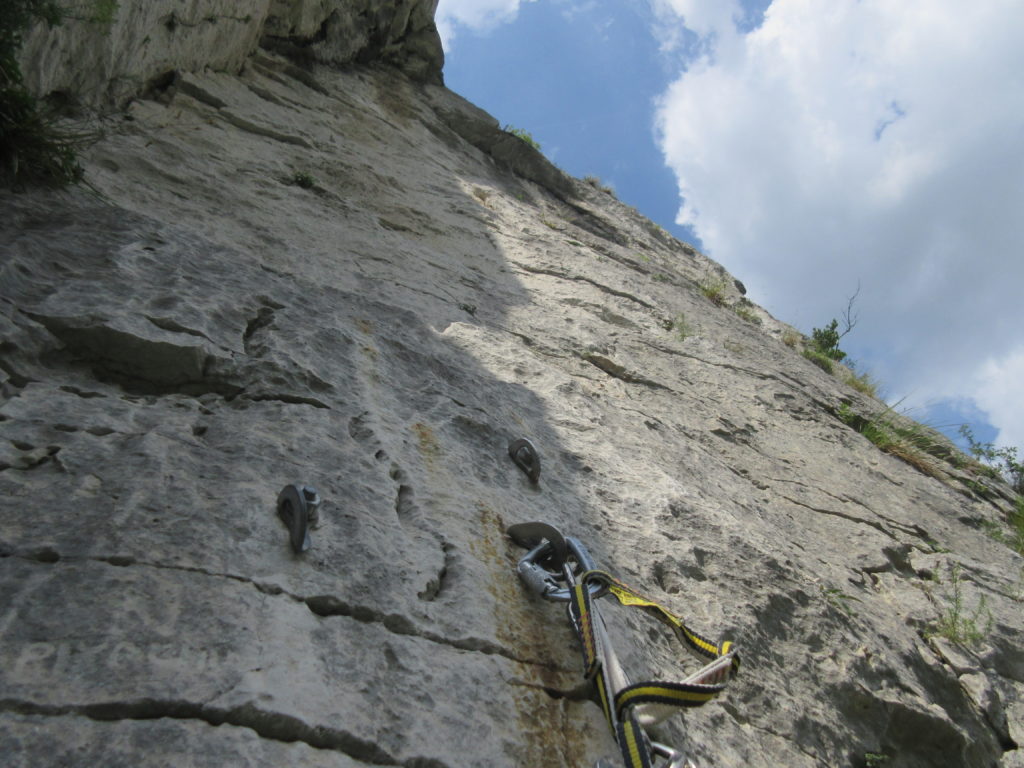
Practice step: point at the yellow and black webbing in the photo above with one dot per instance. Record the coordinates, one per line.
(634, 744)
(583, 622)
(696, 690)
(695, 643)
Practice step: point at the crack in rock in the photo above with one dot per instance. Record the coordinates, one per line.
(728, 366)
(582, 279)
(584, 691)
(617, 371)
(322, 605)
(168, 324)
(287, 399)
(278, 726)
(330, 605)
(852, 518)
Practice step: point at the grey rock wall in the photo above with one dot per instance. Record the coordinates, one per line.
(143, 45)
(206, 329)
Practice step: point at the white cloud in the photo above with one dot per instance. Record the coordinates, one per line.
(476, 15)
(867, 141)
(699, 16)
(999, 393)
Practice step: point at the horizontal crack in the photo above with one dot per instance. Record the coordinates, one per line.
(913, 530)
(617, 371)
(288, 399)
(321, 605)
(582, 692)
(329, 605)
(728, 366)
(269, 725)
(173, 326)
(851, 518)
(582, 279)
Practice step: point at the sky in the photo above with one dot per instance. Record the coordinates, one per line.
(809, 147)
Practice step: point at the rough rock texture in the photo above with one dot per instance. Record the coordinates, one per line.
(295, 273)
(107, 62)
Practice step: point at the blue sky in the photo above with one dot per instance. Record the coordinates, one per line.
(808, 147)
(583, 83)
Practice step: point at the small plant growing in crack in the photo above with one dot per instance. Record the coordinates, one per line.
(523, 135)
(714, 290)
(683, 329)
(839, 599)
(874, 759)
(747, 313)
(958, 625)
(303, 179)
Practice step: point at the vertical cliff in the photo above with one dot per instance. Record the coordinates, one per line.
(303, 260)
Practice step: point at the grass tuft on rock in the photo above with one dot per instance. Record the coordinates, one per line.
(917, 445)
(714, 290)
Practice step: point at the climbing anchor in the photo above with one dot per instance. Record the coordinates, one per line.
(559, 568)
(525, 455)
(297, 506)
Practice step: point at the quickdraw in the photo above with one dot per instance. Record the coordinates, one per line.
(559, 568)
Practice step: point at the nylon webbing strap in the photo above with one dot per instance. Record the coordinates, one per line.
(674, 694)
(629, 735)
(602, 692)
(696, 643)
(583, 622)
(621, 714)
(633, 743)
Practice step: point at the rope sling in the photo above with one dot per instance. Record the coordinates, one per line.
(560, 569)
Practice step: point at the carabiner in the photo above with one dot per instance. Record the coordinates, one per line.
(549, 584)
(675, 758)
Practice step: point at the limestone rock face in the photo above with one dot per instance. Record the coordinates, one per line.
(295, 272)
(143, 45)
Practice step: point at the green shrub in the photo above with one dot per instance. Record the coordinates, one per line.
(32, 148)
(1001, 462)
(523, 135)
(825, 341)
